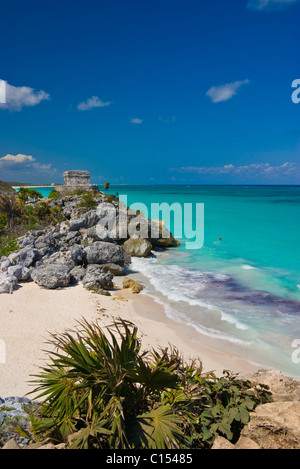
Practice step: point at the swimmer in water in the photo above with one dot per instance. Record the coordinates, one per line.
(220, 239)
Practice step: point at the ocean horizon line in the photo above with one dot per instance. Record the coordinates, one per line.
(162, 184)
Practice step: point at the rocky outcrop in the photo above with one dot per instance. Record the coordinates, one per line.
(275, 425)
(160, 236)
(61, 254)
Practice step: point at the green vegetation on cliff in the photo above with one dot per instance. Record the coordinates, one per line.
(6, 188)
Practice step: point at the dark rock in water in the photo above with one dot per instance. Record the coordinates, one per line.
(101, 252)
(52, 276)
(96, 279)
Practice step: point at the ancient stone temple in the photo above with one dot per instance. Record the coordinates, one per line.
(76, 180)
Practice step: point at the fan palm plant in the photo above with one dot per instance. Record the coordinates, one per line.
(103, 389)
(104, 392)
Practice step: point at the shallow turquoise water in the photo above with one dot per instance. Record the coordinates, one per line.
(242, 291)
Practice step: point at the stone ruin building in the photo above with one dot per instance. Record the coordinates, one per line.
(76, 180)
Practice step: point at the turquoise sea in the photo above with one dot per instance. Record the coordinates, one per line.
(243, 290)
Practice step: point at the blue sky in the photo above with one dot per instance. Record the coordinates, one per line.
(150, 92)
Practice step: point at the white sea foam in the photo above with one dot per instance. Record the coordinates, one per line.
(232, 320)
(183, 318)
(180, 285)
(248, 267)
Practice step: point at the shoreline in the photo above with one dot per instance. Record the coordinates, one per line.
(193, 345)
(32, 185)
(31, 314)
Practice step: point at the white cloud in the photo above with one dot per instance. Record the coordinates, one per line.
(17, 97)
(269, 4)
(92, 102)
(225, 92)
(23, 163)
(136, 120)
(252, 170)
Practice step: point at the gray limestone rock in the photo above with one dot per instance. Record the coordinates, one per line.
(138, 247)
(26, 257)
(8, 283)
(96, 279)
(52, 276)
(22, 273)
(101, 252)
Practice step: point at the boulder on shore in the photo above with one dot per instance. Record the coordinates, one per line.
(8, 283)
(96, 279)
(21, 272)
(51, 276)
(101, 252)
(138, 247)
(133, 285)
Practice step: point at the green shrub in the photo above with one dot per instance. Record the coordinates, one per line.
(10, 247)
(78, 192)
(109, 395)
(56, 214)
(54, 194)
(25, 194)
(88, 201)
(110, 198)
(3, 221)
(42, 211)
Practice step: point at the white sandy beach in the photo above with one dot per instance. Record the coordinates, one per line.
(31, 314)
